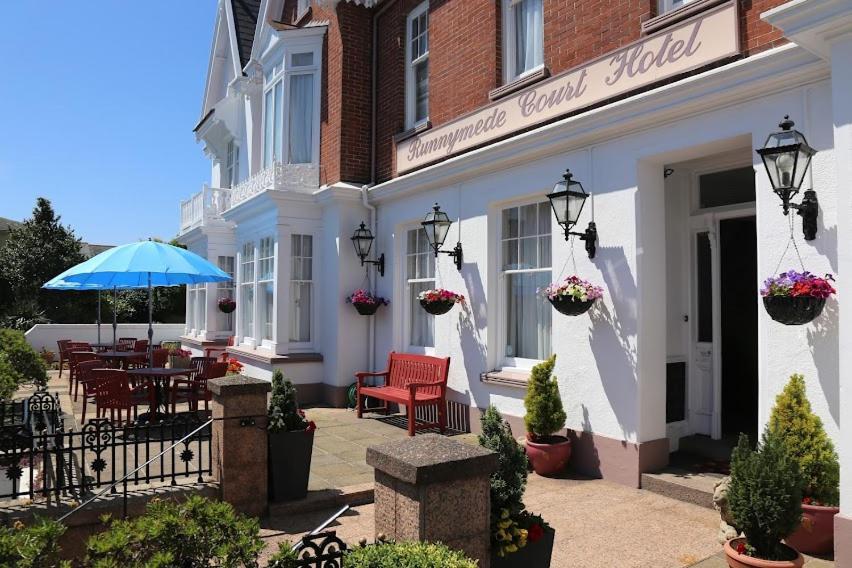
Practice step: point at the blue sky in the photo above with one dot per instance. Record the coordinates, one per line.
(98, 99)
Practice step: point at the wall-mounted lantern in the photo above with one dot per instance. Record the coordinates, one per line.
(786, 156)
(363, 241)
(437, 225)
(567, 200)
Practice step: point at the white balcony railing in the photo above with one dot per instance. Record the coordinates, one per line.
(206, 205)
(301, 178)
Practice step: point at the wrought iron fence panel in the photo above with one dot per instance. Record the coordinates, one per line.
(321, 550)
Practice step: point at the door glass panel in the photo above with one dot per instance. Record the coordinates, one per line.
(726, 188)
(704, 288)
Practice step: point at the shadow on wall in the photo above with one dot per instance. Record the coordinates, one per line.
(822, 337)
(826, 242)
(471, 322)
(613, 338)
(586, 459)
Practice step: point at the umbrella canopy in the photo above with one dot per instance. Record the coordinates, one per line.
(138, 265)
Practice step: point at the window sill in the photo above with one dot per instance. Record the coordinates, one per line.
(674, 16)
(519, 83)
(512, 379)
(422, 127)
(265, 356)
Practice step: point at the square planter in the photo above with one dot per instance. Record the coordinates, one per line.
(289, 464)
(534, 554)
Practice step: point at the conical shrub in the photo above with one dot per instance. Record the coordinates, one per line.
(509, 482)
(545, 415)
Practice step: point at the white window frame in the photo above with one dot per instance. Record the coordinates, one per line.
(303, 346)
(509, 48)
(410, 84)
(302, 6)
(267, 242)
(248, 336)
(281, 73)
(504, 361)
(664, 6)
(226, 290)
(406, 284)
(232, 164)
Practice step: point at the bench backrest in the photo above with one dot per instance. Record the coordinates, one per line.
(404, 368)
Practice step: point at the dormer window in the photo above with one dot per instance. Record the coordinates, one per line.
(523, 38)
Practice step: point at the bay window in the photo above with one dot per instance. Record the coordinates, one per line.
(419, 276)
(525, 267)
(523, 37)
(301, 288)
(232, 165)
(417, 66)
(266, 286)
(226, 290)
(247, 290)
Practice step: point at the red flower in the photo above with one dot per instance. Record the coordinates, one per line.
(311, 426)
(741, 547)
(535, 532)
(807, 500)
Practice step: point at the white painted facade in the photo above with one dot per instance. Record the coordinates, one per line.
(611, 362)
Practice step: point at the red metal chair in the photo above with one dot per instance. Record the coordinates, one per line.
(87, 379)
(161, 357)
(126, 344)
(141, 346)
(193, 390)
(223, 356)
(200, 364)
(62, 351)
(114, 393)
(75, 357)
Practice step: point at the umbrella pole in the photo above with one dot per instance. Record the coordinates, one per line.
(114, 320)
(99, 316)
(150, 323)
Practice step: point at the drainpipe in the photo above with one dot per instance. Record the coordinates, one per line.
(371, 334)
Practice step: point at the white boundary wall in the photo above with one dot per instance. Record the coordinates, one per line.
(46, 335)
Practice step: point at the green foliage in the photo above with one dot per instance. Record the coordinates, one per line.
(284, 413)
(286, 557)
(509, 482)
(807, 443)
(545, 415)
(23, 364)
(9, 378)
(33, 546)
(196, 533)
(23, 316)
(406, 555)
(765, 495)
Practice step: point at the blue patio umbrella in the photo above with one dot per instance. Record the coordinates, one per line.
(143, 264)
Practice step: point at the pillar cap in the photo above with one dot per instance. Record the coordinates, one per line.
(234, 385)
(431, 458)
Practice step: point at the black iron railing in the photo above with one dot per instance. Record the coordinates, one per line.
(37, 413)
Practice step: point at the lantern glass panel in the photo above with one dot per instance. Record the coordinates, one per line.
(437, 226)
(363, 241)
(576, 199)
(559, 204)
(803, 160)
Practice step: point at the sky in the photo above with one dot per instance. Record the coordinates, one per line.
(98, 99)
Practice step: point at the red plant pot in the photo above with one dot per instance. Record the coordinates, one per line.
(816, 533)
(737, 560)
(549, 455)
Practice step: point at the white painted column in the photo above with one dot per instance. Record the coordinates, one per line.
(281, 307)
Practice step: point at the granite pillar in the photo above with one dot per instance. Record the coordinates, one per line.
(431, 488)
(239, 443)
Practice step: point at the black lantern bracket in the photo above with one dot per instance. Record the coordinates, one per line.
(456, 254)
(379, 264)
(589, 236)
(362, 240)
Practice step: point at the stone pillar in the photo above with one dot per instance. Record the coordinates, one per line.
(240, 441)
(431, 488)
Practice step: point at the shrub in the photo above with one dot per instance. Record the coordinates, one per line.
(510, 480)
(807, 443)
(34, 546)
(765, 496)
(406, 554)
(27, 366)
(9, 378)
(545, 415)
(286, 557)
(195, 533)
(284, 413)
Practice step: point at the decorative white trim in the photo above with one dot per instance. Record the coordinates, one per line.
(813, 24)
(299, 178)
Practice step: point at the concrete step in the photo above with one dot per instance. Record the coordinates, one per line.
(683, 485)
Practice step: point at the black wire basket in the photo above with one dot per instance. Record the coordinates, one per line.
(365, 308)
(793, 310)
(437, 308)
(568, 306)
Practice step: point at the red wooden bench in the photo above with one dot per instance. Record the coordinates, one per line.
(411, 380)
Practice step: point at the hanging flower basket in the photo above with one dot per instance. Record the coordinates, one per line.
(796, 298)
(439, 301)
(573, 296)
(227, 305)
(365, 302)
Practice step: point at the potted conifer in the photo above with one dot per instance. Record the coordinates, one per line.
(547, 451)
(808, 444)
(765, 500)
(291, 442)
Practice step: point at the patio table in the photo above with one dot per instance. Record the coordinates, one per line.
(104, 346)
(121, 356)
(160, 377)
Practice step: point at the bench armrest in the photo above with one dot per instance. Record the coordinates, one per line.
(359, 377)
(412, 387)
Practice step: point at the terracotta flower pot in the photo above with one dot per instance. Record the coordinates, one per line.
(737, 560)
(550, 455)
(816, 533)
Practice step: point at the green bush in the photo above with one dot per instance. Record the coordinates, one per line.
(765, 495)
(286, 557)
(284, 413)
(25, 363)
(509, 482)
(406, 555)
(807, 443)
(34, 546)
(196, 533)
(545, 415)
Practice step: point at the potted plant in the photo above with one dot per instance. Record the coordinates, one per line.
(810, 447)
(48, 356)
(765, 500)
(291, 442)
(796, 298)
(227, 305)
(573, 296)
(548, 452)
(234, 367)
(518, 537)
(365, 302)
(179, 358)
(439, 301)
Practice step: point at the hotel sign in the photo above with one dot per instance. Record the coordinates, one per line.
(710, 36)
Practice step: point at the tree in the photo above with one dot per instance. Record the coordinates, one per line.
(545, 414)
(33, 254)
(509, 482)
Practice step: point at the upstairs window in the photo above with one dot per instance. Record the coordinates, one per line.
(664, 6)
(523, 37)
(232, 165)
(417, 66)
